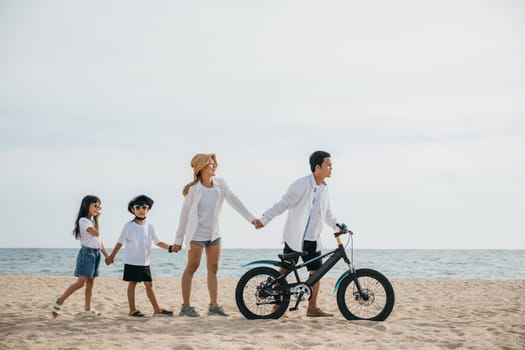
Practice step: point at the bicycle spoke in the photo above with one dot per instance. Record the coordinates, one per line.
(375, 302)
(257, 297)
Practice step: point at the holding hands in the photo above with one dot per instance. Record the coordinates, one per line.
(257, 223)
(109, 260)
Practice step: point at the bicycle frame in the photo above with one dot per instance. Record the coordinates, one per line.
(335, 255)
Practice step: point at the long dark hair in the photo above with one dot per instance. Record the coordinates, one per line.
(83, 212)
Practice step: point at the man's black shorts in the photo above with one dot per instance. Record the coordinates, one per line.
(309, 247)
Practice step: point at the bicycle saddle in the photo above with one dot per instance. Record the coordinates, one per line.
(291, 256)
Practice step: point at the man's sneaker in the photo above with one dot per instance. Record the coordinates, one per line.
(317, 313)
(188, 311)
(163, 312)
(217, 310)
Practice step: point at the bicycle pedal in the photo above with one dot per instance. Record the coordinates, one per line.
(293, 309)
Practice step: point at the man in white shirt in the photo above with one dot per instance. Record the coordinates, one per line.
(308, 205)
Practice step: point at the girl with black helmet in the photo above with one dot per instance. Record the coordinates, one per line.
(138, 237)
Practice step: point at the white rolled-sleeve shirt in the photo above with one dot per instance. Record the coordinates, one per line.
(298, 200)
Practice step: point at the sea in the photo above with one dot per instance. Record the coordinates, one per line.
(393, 263)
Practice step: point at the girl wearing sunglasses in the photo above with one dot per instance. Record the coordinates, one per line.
(88, 259)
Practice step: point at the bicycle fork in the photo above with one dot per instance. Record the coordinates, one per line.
(353, 273)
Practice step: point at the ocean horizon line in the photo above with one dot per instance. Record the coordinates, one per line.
(399, 263)
(280, 248)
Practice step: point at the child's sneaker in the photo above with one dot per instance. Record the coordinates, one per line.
(136, 313)
(163, 313)
(217, 310)
(188, 311)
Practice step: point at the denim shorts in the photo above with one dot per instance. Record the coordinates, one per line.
(88, 260)
(205, 244)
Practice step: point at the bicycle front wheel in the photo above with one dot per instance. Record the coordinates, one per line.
(258, 295)
(377, 300)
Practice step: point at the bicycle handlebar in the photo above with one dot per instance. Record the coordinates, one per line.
(342, 230)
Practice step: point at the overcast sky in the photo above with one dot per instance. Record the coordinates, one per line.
(420, 103)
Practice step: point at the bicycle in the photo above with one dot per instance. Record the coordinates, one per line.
(362, 294)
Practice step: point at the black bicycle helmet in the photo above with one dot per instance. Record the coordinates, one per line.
(140, 199)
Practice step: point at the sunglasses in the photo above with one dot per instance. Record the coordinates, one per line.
(139, 207)
(97, 206)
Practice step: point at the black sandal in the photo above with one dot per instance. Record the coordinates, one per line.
(136, 313)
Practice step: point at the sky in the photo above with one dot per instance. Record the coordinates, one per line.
(420, 103)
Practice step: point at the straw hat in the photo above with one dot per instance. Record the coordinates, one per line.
(200, 161)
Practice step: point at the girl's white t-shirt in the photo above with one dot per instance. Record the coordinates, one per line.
(137, 241)
(205, 212)
(87, 239)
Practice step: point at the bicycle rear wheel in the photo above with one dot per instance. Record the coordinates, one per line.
(376, 305)
(257, 295)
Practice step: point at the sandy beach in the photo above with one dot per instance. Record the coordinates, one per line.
(429, 314)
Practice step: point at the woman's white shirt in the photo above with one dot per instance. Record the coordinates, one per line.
(189, 217)
(87, 239)
(205, 210)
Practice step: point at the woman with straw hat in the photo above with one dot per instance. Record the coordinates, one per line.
(198, 227)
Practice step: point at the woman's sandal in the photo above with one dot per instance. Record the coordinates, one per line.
(55, 310)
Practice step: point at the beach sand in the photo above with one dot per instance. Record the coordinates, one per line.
(429, 314)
